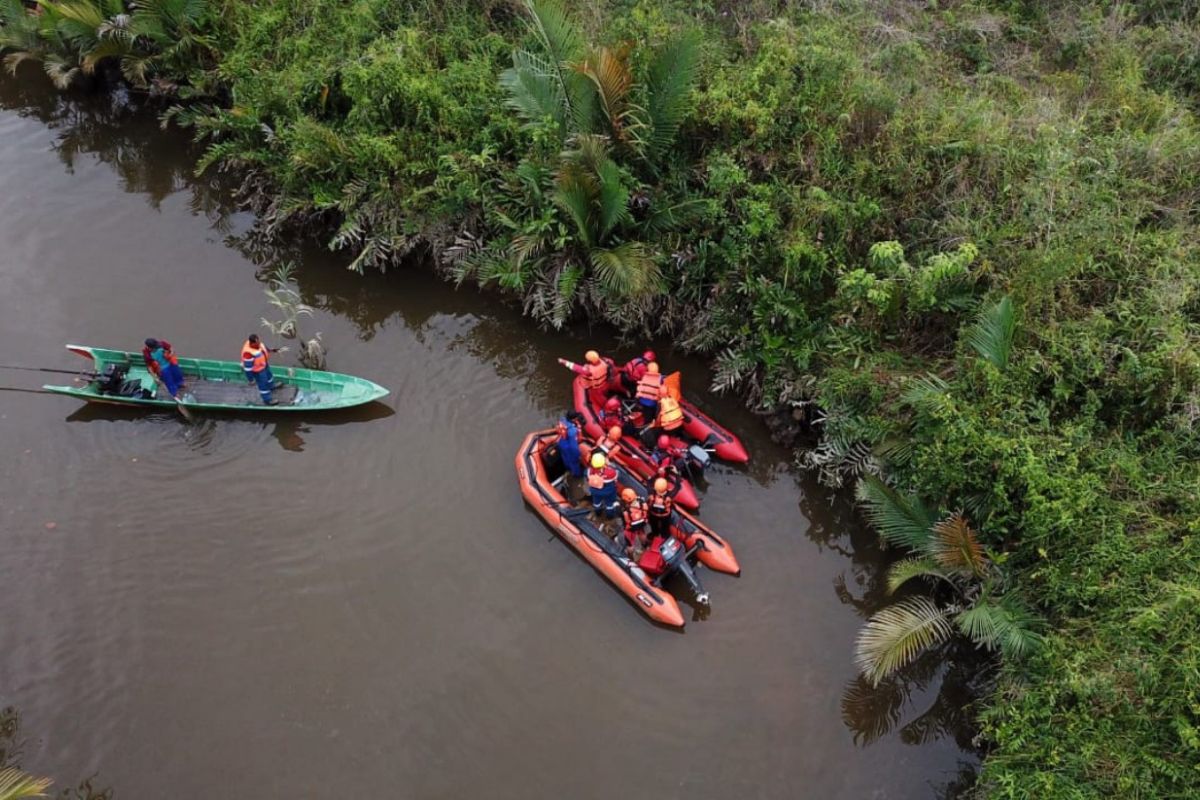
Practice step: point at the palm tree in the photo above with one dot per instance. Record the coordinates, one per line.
(948, 552)
(592, 90)
(16, 785)
(591, 191)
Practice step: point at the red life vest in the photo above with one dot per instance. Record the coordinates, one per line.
(610, 419)
(636, 368)
(599, 478)
(258, 355)
(650, 386)
(652, 561)
(660, 504)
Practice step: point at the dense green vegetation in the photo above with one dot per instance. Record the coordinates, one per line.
(962, 236)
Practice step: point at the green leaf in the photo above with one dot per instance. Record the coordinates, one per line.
(1002, 625)
(901, 521)
(903, 571)
(896, 635)
(669, 84)
(627, 270)
(992, 333)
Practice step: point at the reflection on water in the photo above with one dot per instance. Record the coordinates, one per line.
(11, 746)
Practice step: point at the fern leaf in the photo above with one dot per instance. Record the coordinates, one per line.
(901, 521)
(992, 334)
(1001, 625)
(896, 635)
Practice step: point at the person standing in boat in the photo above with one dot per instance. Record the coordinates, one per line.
(602, 483)
(649, 390)
(568, 442)
(634, 516)
(256, 358)
(596, 375)
(161, 361)
(660, 507)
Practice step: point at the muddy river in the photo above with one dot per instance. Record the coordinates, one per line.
(358, 604)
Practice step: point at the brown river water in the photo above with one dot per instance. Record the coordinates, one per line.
(358, 604)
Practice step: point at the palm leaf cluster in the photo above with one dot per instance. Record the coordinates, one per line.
(17, 785)
(584, 89)
(947, 551)
(73, 38)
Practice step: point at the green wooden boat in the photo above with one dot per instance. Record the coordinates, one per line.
(215, 385)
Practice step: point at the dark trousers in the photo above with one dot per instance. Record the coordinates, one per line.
(660, 526)
(264, 380)
(172, 378)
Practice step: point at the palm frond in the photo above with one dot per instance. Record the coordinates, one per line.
(627, 270)
(534, 89)
(956, 546)
(901, 521)
(563, 44)
(17, 785)
(902, 572)
(612, 79)
(896, 635)
(575, 192)
(928, 393)
(992, 333)
(1002, 625)
(668, 91)
(612, 199)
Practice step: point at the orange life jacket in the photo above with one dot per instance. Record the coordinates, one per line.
(596, 376)
(650, 386)
(607, 445)
(660, 504)
(259, 356)
(670, 415)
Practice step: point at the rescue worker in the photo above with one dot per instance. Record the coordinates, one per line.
(596, 374)
(634, 516)
(568, 442)
(612, 414)
(161, 361)
(633, 371)
(256, 358)
(650, 390)
(660, 505)
(602, 483)
(669, 459)
(610, 441)
(670, 415)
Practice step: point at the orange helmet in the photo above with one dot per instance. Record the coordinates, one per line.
(661, 485)
(628, 495)
(664, 442)
(614, 432)
(591, 356)
(652, 368)
(598, 460)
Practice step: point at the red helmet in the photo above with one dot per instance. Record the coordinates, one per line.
(664, 442)
(649, 356)
(612, 404)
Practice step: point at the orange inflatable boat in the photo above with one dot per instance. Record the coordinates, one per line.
(541, 474)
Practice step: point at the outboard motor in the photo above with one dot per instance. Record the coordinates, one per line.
(675, 556)
(110, 381)
(698, 457)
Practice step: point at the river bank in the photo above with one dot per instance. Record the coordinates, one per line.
(853, 191)
(355, 604)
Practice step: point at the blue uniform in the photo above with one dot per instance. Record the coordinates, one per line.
(568, 448)
(171, 374)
